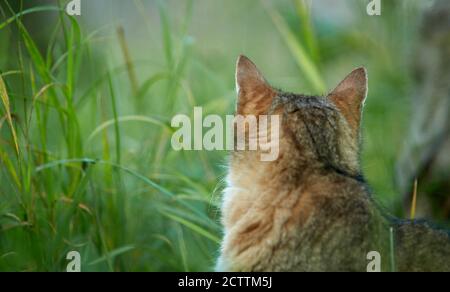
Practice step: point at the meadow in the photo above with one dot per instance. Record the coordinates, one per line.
(86, 104)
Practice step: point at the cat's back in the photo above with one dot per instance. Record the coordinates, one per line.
(307, 227)
(420, 247)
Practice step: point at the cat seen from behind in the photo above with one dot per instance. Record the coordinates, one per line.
(311, 209)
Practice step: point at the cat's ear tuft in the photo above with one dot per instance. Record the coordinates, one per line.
(255, 95)
(349, 96)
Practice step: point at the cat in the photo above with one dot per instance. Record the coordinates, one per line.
(311, 209)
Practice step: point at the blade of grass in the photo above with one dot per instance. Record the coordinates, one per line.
(116, 120)
(414, 201)
(106, 153)
(183, 250)
(128, 61)
(298, 51)
(36, 97)
(145, 119)
(12, 72)
(149, 83)
(197, 229)
(74, 55)
(28, 11)
(51, 44)
(10, 167)
(166, 33)
(190, 217)
(307, 29)
(6, 103)
(392, 249)
(53, 66)
(113, 254)
(2, 120)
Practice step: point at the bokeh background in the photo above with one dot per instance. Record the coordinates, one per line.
(86, 160)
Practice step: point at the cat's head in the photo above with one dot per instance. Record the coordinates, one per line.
(322, 131)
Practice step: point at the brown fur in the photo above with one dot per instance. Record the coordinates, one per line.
(310, 210)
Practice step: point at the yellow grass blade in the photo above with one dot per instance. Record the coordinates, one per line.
(128, 61)
(4, 158)
(414, 201)
(5, 99)
(2, 120)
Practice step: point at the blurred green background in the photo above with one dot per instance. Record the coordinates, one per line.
(86, 161)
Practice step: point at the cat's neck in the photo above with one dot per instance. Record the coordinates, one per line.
(271, 177)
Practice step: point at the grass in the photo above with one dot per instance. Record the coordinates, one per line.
(86, 163)
(414, 201)
(392, 250)
(6, 104)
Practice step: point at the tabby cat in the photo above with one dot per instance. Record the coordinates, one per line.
(311, 209)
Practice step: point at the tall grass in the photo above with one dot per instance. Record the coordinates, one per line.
(122, 210)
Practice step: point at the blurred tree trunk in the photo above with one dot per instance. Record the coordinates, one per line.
(426, 154)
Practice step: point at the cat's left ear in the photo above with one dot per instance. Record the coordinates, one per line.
(349, 97)
(255, 95)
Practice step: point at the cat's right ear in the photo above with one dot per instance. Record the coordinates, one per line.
(255, 95)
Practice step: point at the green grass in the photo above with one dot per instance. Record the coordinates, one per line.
(86, 162)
